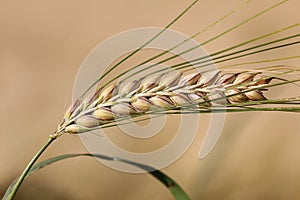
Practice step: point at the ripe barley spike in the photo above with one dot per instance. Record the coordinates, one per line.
(171, 91)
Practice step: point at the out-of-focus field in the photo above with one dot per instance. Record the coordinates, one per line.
(43, 43)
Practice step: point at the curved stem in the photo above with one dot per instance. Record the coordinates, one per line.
(29, 166)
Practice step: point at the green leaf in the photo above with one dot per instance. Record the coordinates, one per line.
(173, 187)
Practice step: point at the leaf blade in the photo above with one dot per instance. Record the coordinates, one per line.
(173, 187)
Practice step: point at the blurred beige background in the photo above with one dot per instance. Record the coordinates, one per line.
(42, 46)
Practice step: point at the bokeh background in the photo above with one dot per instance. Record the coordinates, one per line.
(42, 46)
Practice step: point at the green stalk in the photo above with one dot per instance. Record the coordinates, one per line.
(29, 166)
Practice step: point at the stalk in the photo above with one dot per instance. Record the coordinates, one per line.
(29, 166)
